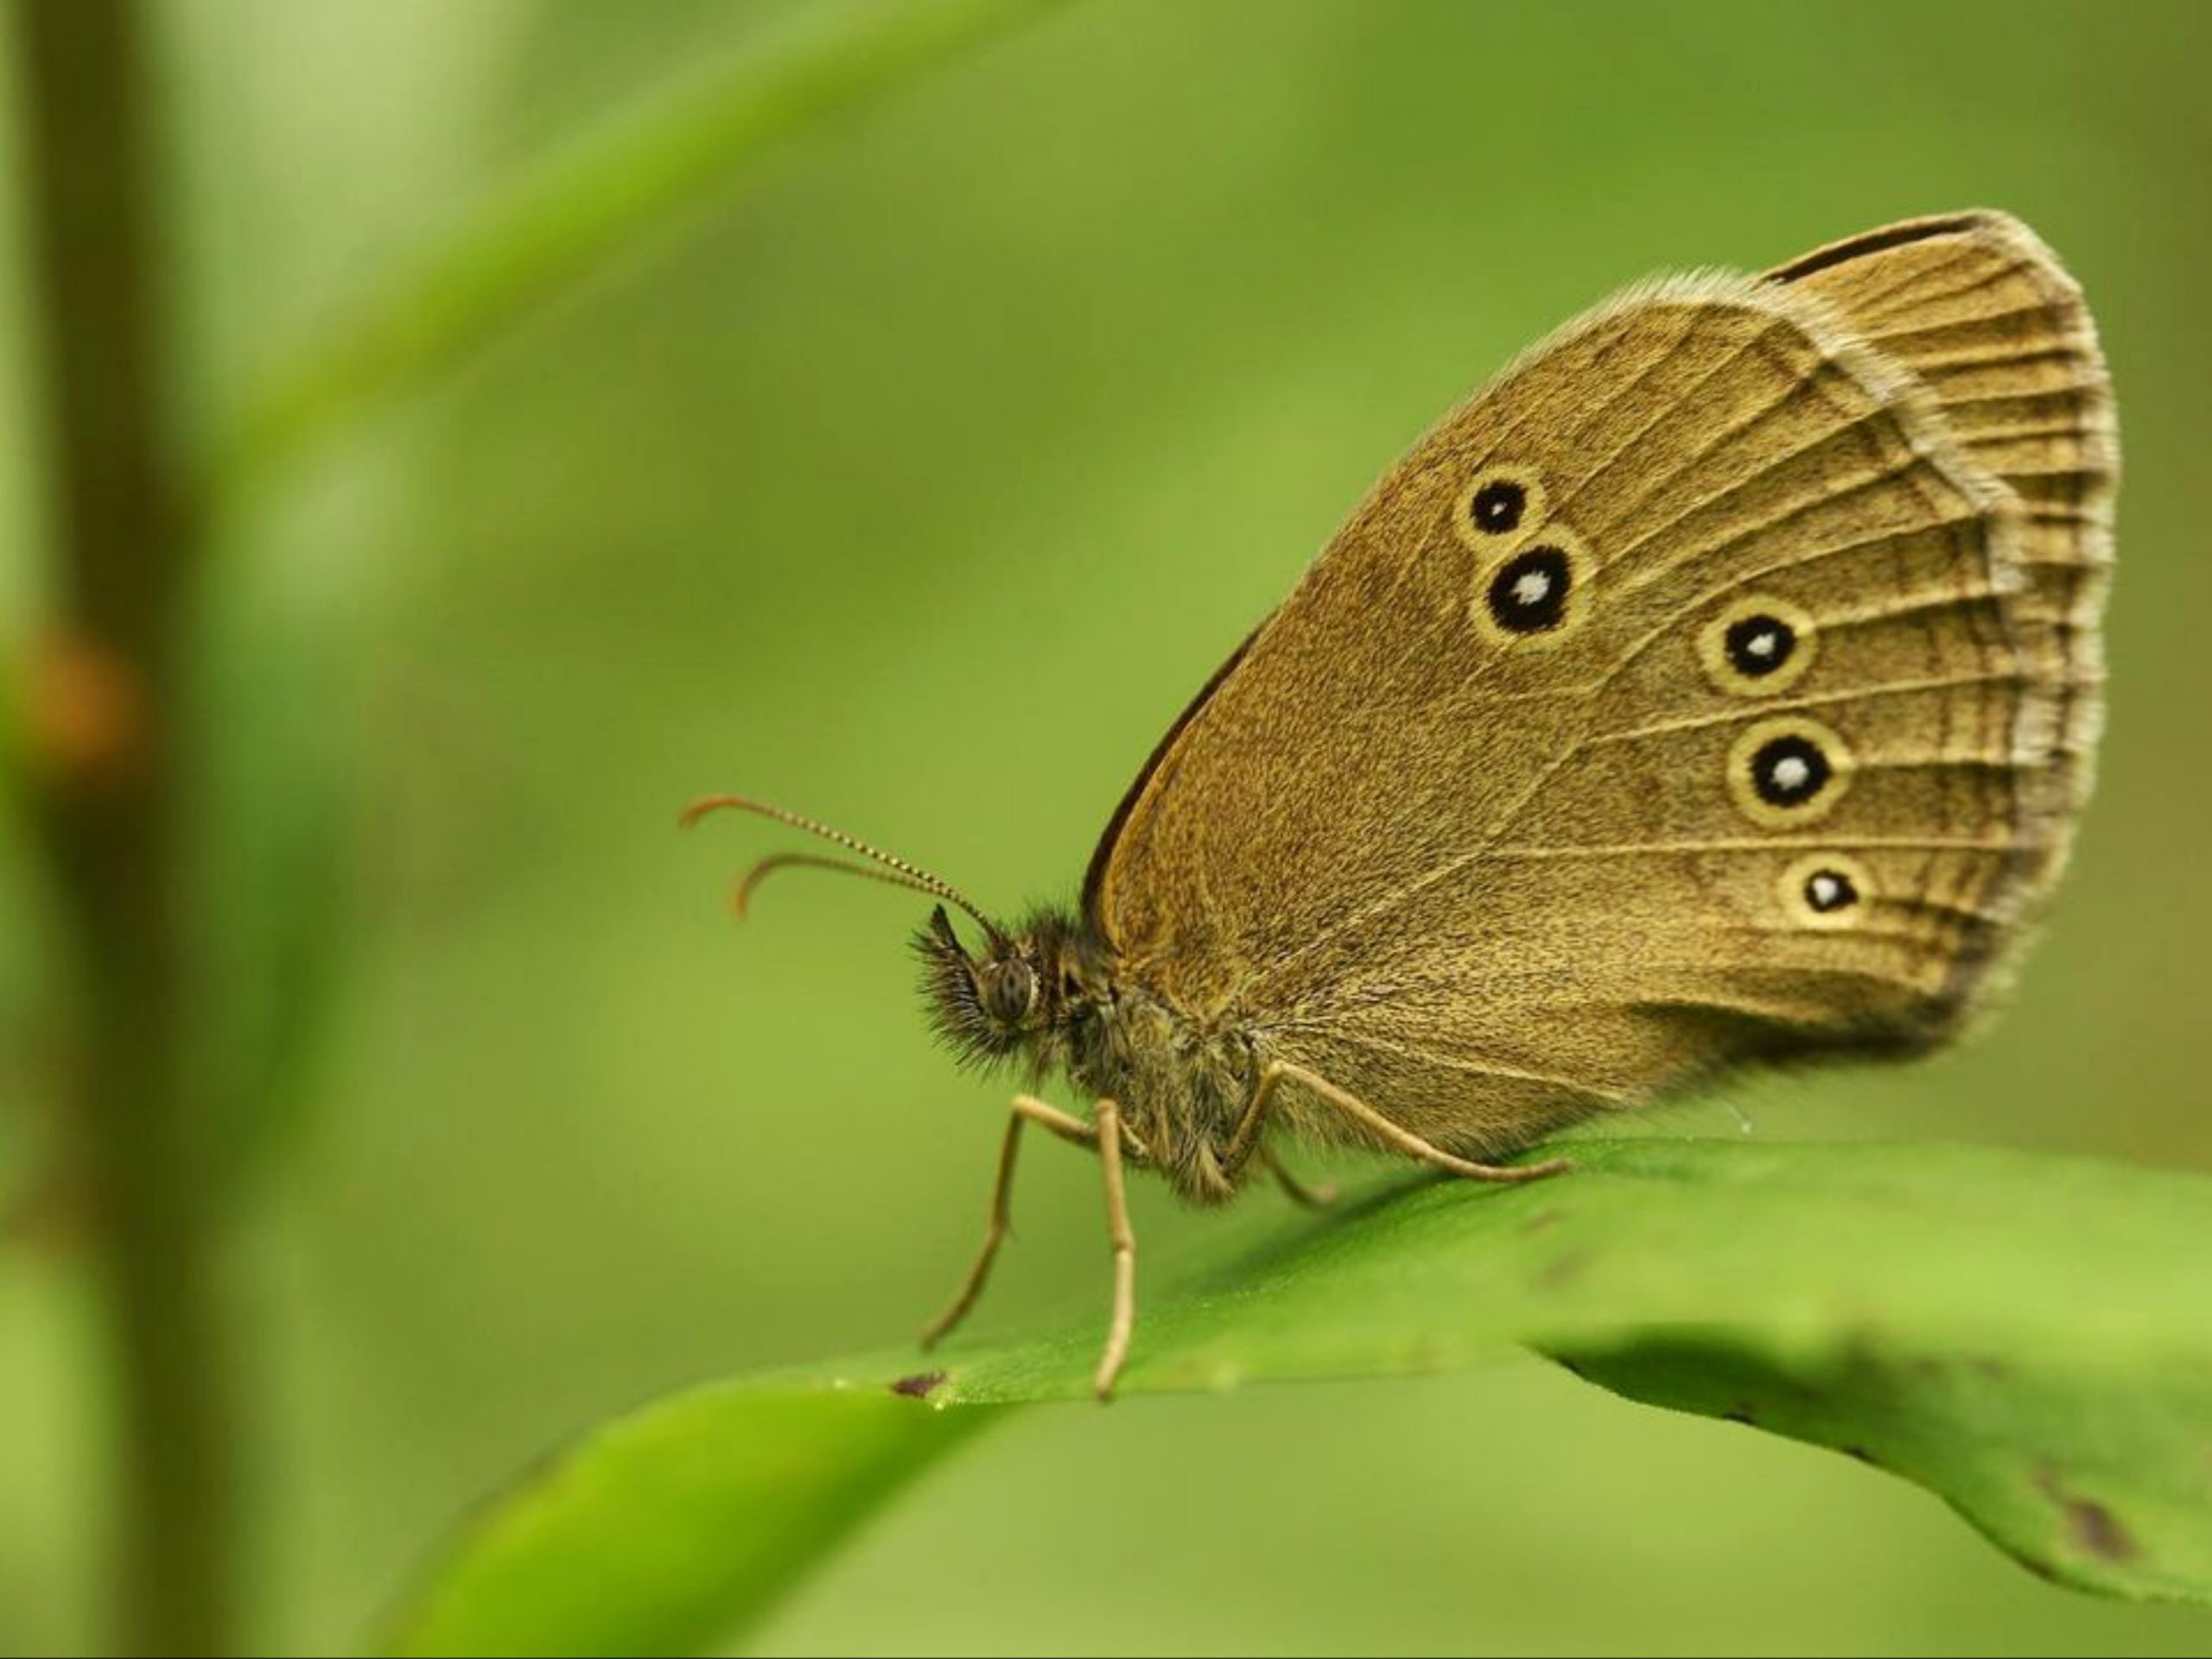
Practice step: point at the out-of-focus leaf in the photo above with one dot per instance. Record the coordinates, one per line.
(2029, 1337)
(592, 203)
(279, 805)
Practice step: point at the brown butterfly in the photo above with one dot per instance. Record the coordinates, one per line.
(1719, 684)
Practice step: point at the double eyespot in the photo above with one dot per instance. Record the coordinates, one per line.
(1759, 646)
(1824, 891)
(1788, 771)
(1529, 585)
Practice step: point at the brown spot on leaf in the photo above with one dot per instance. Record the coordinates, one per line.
(918, 1386)
(2091, 1525)
(1541, 1219)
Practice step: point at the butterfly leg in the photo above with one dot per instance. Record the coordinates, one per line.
(1125, 1251)
(1027, 1109)
(1312, 1198)
(1281, 1072)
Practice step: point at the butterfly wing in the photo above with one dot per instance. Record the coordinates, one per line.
(1983, 314)
(1702, 690)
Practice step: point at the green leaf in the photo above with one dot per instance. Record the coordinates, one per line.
(555, 230)
(681, 1525)
(2029, 1337)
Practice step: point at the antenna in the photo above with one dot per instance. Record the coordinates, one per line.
(896, 871)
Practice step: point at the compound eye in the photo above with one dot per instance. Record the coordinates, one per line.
(1009, 990)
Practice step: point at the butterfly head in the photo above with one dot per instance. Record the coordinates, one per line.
(1023, 992)
(985, 1006)
(1026, 991)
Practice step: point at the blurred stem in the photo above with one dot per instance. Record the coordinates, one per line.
(555, 229)
(109, 812)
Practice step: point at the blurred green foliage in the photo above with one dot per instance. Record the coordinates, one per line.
(918, 488)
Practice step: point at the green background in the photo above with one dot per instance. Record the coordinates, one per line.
(917, 487)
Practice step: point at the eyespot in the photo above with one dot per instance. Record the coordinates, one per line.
(1534, 594)
(1830, 890)
(1759, 647)
(1788, 771)
(1528, 593)
(1499, 507)
(1825, 890)
(1495, 509)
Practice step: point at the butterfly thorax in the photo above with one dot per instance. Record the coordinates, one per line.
(1051, 998)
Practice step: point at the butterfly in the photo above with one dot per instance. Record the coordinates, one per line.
(1720, 684)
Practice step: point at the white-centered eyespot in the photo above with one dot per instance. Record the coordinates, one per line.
(1828, 891)
(1499, 507)
(1536, 593)
(1758, 645)
(1788, 771)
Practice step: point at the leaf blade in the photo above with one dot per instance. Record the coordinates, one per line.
(735, 1466)
(1915, 1306)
